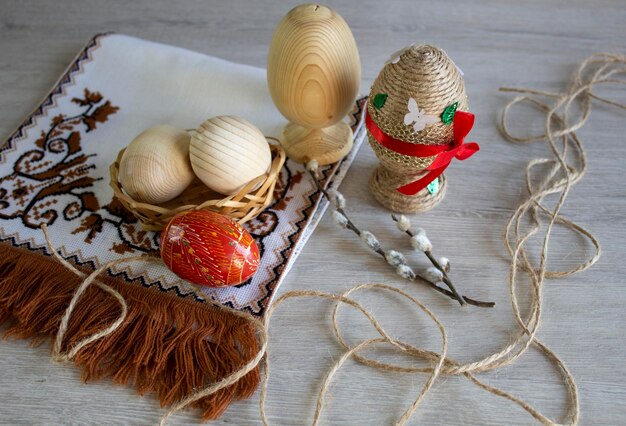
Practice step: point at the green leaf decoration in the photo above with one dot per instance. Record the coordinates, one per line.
(433, 187)
(448, 113)
(379, 100)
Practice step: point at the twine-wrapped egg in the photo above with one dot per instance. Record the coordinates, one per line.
(208, 248)
(155, 167)
(228, 152)
(407, 102)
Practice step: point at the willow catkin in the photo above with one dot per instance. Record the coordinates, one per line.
(566, 168)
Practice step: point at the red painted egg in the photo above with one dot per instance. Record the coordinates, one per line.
(208, 248)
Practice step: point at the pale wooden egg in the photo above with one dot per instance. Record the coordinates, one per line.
(155, 166)
(313, 66)
(228, 152)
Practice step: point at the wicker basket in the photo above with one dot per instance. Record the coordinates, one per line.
(242, 206)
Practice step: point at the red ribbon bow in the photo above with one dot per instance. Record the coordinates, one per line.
(463, 123)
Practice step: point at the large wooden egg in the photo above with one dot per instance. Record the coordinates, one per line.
(228, 152)
(155, 166)
(313, 67)
(208, 248)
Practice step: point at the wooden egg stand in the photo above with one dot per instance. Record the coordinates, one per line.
(313, 75)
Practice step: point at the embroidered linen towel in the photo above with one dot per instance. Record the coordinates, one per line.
(54, 171)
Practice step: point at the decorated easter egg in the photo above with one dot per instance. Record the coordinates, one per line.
(208, 248)
(229, 152)
(155, 166)
(413, 100)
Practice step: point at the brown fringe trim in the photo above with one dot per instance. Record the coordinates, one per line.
(167, 345)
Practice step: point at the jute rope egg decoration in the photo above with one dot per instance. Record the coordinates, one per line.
(416, 124)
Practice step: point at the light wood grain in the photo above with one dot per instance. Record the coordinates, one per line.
(229, 152)
(313, 74)
(155, 166)
(532, 43)
(326, 146)
(241, 206)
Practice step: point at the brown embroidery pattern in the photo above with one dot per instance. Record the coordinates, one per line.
(282, 187)
(55, 169)
(132, 238)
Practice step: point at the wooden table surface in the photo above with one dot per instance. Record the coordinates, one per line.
(528, 44)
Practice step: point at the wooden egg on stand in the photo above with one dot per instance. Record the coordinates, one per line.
(228, 152)
(409, 122)
(313, 73)
(155, 166)
(209, 249)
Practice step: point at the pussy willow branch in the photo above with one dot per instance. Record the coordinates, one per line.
(352, 227)
(436, 264)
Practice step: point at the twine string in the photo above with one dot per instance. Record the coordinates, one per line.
(57, 353)
(91, 279)
(353, 352)
(566, 167)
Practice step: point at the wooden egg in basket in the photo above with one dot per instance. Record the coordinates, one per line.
(248, 199)
(227, 152)
(155, 166)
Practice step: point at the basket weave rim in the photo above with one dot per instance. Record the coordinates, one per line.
(153, 217)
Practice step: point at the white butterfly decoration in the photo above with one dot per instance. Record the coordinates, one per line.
(417, 118)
